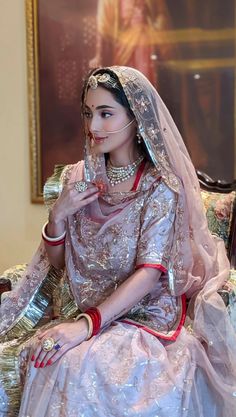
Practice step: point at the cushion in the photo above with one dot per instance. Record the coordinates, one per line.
(219, 212)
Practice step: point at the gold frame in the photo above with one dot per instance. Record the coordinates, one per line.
(175, 36)
(33, 99)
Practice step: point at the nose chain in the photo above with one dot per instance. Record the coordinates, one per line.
(116, 175)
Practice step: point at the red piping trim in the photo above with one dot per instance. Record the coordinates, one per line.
(156, 266)
(174, 336)
(138, 175)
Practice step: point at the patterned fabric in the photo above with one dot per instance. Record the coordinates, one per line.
(14, 273)
(232, 298)
(106, 244)
(219, 212)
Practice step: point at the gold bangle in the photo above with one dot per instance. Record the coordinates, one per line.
(89, 322)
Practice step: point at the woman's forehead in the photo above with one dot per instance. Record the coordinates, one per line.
(98, 97)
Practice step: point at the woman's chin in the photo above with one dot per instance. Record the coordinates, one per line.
(100, 148)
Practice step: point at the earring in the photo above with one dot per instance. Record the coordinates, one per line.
(90, 135)
(139, 138)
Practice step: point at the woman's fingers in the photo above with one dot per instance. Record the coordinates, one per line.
(41, 357)
(89, 200)
(70, 200)
(57, 354)
(87, 193)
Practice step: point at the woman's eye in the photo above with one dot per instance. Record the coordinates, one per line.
(106, 114)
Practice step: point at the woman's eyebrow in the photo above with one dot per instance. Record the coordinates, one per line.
(103, 106)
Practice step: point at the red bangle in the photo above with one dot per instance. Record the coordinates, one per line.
(95, 315)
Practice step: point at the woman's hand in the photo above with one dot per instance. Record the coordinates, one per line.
(66, 336)
(70, 201)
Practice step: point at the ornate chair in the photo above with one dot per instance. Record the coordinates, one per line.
(219, 199)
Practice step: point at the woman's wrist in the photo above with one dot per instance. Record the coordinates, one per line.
(55, 219)
(83, 328)
(92, 316)
(53, 240)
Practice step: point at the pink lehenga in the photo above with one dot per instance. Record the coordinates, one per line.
(157, 360)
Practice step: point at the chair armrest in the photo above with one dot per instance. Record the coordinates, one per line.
(10, 277)
(5, 286)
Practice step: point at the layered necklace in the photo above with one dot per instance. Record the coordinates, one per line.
(116, 175)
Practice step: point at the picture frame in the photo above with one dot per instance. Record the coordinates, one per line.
(189, 57)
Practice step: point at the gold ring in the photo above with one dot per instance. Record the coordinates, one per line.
(80, 186)
(48, 344)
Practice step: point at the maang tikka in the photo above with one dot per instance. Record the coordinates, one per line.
(101, 78)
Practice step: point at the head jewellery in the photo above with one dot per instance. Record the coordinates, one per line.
(100, 78)
(109, 132)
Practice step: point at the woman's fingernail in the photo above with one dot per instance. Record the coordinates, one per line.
(41, 365)
(37, 365)
(33, 358)
(49, 362)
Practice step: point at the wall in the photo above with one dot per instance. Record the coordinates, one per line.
(20, 221)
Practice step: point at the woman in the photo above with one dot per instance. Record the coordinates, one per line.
(129, 229)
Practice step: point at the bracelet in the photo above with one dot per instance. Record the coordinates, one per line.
(95, 315)
(52, 241)
(59, 242)
(89, 322)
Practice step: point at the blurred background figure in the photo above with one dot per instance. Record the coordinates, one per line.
(126, 35)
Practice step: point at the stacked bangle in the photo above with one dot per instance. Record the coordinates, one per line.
(52, 241)
(89, 322)
(93, 317)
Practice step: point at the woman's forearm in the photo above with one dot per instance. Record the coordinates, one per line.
(56, 254)
(128, 294)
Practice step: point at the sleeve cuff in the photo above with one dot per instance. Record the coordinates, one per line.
(155, 266)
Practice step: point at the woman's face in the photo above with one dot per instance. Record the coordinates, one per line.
(103, 115)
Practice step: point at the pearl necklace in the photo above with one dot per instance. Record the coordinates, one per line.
(116, 175)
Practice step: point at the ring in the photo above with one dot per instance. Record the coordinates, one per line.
(57, 347)
(80, 186)
(48, 344)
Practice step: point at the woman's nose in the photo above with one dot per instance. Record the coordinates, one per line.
(94, 124)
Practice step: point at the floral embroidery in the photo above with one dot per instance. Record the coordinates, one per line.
(219, 207)
(142, 104)
(152, 131)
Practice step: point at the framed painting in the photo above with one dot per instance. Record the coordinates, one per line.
(188, 54)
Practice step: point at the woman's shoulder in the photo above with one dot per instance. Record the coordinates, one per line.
(154, 182)
(72, 172)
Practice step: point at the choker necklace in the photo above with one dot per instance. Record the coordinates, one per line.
(116, 175)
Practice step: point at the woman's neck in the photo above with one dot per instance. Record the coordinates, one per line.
(118, 159)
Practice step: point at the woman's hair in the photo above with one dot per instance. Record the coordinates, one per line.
(114, 86)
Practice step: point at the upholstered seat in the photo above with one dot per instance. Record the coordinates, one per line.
(219, 199)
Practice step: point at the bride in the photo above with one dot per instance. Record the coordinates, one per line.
(127, 244)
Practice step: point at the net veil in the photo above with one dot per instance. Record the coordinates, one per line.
(198, 265)
(197, 256)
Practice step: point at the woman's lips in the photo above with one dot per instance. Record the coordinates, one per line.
(99, 139)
